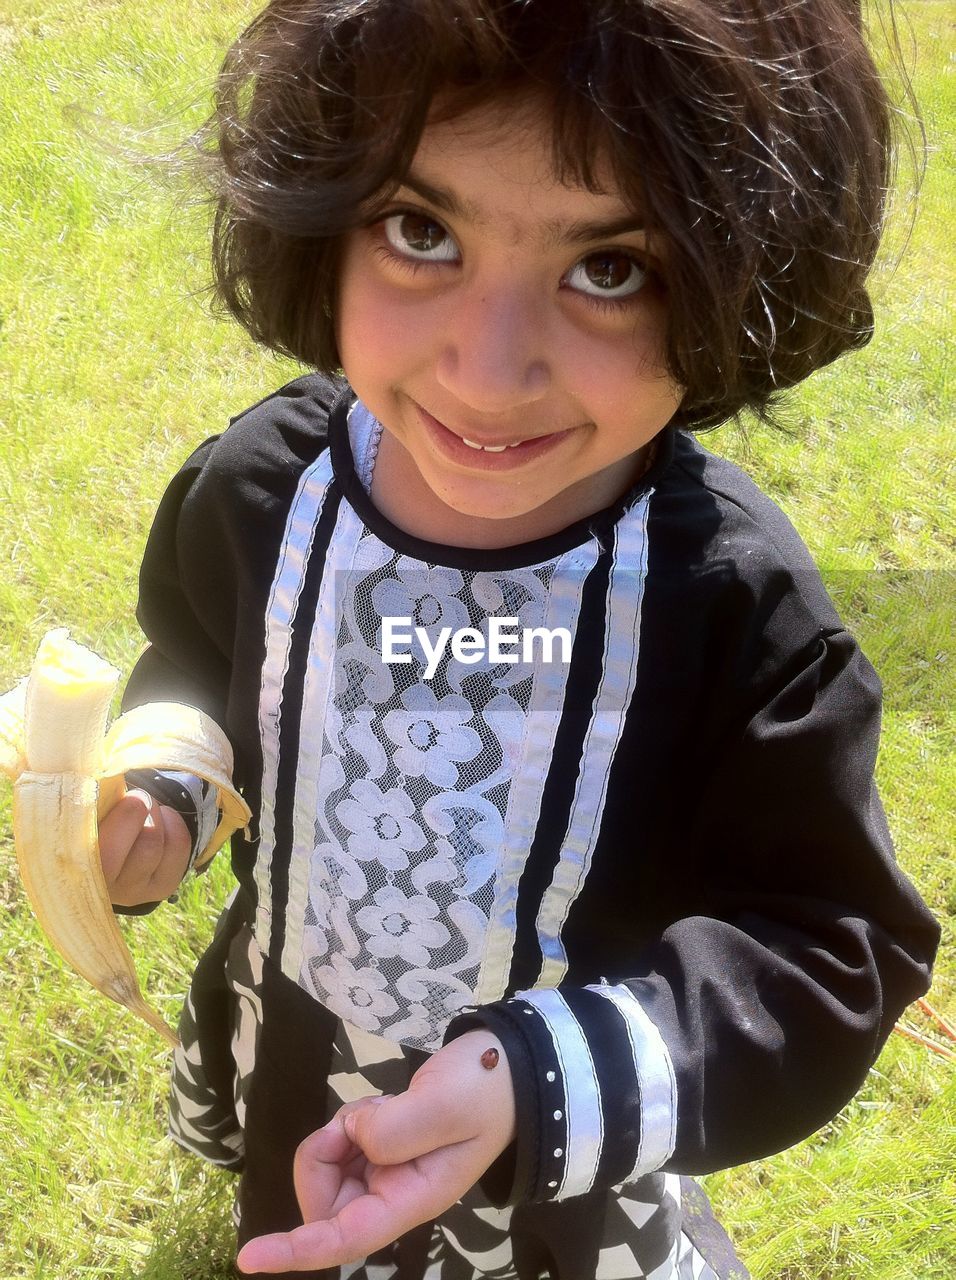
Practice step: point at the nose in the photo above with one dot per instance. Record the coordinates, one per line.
(493, 353)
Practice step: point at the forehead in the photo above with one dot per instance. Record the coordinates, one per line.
(497, 161)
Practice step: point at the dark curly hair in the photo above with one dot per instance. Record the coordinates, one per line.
(754, 136)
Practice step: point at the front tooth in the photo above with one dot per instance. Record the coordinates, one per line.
(485, 448)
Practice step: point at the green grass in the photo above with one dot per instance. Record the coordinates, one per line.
(111, 371)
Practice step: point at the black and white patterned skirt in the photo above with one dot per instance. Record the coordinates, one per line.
(661, 1227)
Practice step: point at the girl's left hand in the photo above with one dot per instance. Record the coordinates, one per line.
(383, 1165)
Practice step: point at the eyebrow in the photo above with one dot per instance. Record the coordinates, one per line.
(556, 231)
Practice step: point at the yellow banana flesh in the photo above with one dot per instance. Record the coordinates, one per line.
(68, 773)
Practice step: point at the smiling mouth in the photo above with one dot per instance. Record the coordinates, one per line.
(515, 451)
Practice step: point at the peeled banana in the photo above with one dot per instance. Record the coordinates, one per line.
(67, 774)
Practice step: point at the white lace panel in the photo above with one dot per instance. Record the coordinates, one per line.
(404, 784)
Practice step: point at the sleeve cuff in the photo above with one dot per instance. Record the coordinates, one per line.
(594, 1089)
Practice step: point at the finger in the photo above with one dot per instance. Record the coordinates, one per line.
(407, 1127)
(156, 863)
(402, 1196)
(452, 1103)
(307, 1248)
(327, 1172)
(328, 1175)
(446, 1174)
(174, 857)
(119, 831)
(329, 1169)
(364, 1225)
(145, 855)
(399, 1198)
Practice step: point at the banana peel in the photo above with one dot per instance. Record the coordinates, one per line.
(68, 772)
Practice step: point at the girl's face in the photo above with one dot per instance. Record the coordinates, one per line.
(493, 306)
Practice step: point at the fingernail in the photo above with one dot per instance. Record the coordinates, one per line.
(147, 800)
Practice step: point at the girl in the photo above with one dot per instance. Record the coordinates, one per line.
(524, 935)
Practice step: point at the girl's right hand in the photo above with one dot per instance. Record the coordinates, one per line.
(144, 849)
(383, 1165)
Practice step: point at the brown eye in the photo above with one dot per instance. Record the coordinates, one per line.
(608, 274)
(609, 270)
(416, 235)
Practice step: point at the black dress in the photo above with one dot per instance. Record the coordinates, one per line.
(646, 850)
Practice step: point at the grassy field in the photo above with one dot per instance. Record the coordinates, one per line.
(111, 370)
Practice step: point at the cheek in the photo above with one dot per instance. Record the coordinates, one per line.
(647, 341)
(355, 331)
(374, 338)
(624, 379)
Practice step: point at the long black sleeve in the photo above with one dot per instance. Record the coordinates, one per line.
(773, 939)
(207, 567)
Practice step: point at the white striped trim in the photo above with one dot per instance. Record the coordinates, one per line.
(541, 721)
(656, 1081)
(611, 703)
(582, 1096)
(317, 694)
(283, 599)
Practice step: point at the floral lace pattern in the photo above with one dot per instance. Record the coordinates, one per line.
(411, 791)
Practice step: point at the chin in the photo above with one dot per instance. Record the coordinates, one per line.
(488, 507)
